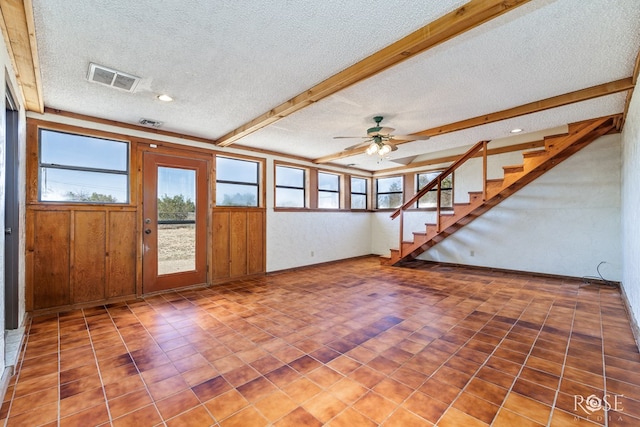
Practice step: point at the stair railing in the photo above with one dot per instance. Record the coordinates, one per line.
(437, 182)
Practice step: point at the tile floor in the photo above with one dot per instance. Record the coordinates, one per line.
(346, 344)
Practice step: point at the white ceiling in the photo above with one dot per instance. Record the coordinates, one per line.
(227, 62)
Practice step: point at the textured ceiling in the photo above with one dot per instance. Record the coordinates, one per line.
(227, 62)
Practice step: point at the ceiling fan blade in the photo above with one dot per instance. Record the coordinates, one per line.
(410, 137)
(382, 131)
(349, 137)
(394, 147)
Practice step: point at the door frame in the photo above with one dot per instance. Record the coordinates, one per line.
(151, 160)
(12, 213)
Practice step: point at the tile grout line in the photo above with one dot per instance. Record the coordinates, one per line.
(604, 361)
(95, 358)
(510, 389)
(153, 401)
(23, 352)
(170, 361)
(564, 362)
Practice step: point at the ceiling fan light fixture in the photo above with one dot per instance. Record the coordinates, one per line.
(384, 150)
(372, 148)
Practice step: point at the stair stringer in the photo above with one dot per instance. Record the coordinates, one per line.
(535, 163)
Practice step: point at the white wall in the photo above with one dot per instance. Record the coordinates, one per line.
(296, 239)
(564, 223)
(631, 208)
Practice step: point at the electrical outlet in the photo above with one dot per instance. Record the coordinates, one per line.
(313, 253)
(472, 253)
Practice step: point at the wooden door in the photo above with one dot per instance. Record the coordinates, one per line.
(175, 200)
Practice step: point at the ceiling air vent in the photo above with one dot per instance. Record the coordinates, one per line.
(150, 123)
(109, 77)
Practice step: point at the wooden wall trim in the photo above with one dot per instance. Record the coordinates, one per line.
(18, 30)
(521, 110)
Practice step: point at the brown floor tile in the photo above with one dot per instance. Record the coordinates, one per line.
(177, 404)
(81, 401)
(130, 402)
(351, 418)
(403, 418)
(351, 343)
(273, 407)
(248, 417)
(454, 417)
(301, 390)
(476, 407)
(197, 416)
(527, 407)
(95, 415)
(227, 404)
(374, 406)
(425, 406)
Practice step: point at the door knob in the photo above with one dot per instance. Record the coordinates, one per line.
(147, 231)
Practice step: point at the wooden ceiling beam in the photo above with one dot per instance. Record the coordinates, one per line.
(18, 29)
(465, 18)
(532, 107)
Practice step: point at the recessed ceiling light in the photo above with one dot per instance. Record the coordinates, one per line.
(164, 97)
(516, 130)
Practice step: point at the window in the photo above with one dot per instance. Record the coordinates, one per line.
(328, 191)
(358, 193)
(237, 182)
(429, 199)
(289, 187)
(389, 192)
(79, 168)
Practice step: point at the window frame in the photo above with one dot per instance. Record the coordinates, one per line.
(365, 194)
(304, 188)
(110, 138)
(258, 184)
(378, 193)
(338, 191)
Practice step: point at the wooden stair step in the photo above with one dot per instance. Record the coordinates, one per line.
(535, 163)
(535, 153)
(513, 169)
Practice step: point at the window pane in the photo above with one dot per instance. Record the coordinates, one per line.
(236, 195)
(236, 170)
(358, 185)
(425, 178)
(328, 181)
(387, 185)
(289, 198)
(290, 177)
(82, 151)
(328, 200)
(176, 194)
(176, 248)
(63, 185)
(429, 199)
(358, 201)
(387, 201)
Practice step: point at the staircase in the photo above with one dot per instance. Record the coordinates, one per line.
(535, 163)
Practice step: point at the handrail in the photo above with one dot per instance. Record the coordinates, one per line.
(437, 182)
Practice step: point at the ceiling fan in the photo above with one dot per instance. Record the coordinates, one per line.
(379, 139)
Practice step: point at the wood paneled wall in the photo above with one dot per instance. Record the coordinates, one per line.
(80, 256)
(238, 243)
(84, 254)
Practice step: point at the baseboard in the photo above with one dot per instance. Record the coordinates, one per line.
(435, 264)
(632, 318)
(302, 267)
